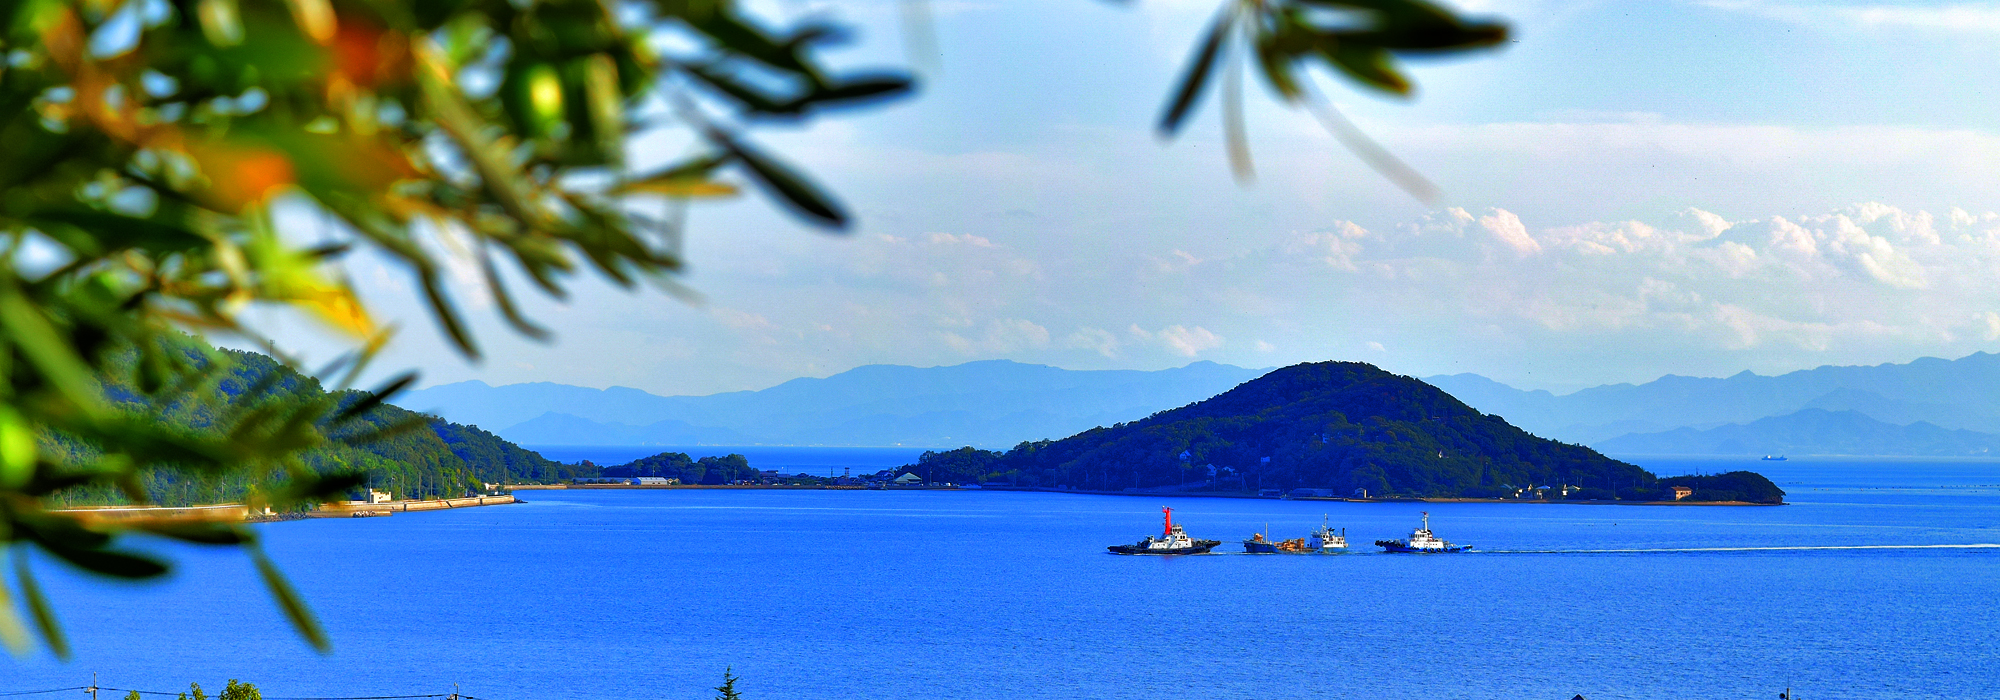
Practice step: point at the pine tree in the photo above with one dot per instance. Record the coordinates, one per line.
(727, 691)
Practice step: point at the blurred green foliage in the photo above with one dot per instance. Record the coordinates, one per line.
(1358, 39)
(150, 143)
(405, 454)
(148, 146)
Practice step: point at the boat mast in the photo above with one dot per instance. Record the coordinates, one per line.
(1169, 532)
(1427, 520)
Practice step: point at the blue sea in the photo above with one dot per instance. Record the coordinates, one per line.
(1873, 584)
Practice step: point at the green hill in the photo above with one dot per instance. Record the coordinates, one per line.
(1340, 426)
(430, 458)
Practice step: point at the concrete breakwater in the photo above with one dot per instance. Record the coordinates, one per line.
(223, 513)
(362, 509)
(240, 513)
(741, 487)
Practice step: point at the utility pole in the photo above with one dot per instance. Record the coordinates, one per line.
(93, 685)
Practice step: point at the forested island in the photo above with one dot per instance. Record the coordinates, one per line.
(1335, 428)
(712, 470)
(438, 459)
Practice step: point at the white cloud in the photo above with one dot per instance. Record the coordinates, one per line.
(1189, 342)
(1983, 18)
(1861, 274)
(1001, 336)
(1509, 231)
(1101, 341)
(741, 320)
(958, 239)
(1712, 223)
(1334, 247)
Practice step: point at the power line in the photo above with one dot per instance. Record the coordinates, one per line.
(93, 688)
(267, 697)
(435, 695)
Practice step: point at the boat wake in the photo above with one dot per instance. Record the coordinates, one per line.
(1799, 548)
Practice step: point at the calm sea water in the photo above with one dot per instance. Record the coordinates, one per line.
(938, 594)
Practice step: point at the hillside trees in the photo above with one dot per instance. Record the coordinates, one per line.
(711, 470)
(1343, 426)
(426, 457)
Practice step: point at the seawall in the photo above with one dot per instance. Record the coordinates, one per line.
(240, 513)
(738, 487)
(360, 509)
(224, 513)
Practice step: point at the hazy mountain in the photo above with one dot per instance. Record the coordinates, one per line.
(991, 403)
(1953, 394)
(564, 429)
(1811, 431)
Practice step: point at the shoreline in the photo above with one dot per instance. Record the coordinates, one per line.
(1182, 494)
(240, 513)
(739, 487)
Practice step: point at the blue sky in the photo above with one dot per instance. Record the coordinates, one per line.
(1632, 189)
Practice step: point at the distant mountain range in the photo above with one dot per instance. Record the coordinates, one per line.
(1811, 431)
(1926, 407)
(987, 404)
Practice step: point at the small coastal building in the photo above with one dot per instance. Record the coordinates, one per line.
(1681, 492)
(908, 479)
(653, 481)
(375, 496)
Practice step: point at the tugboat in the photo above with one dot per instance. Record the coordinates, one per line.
(1325, 539)
(1422, 542)
(1173, 541)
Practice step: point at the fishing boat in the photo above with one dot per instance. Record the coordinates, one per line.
(1422, 542)
(1774, 458)
(1173, 540)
